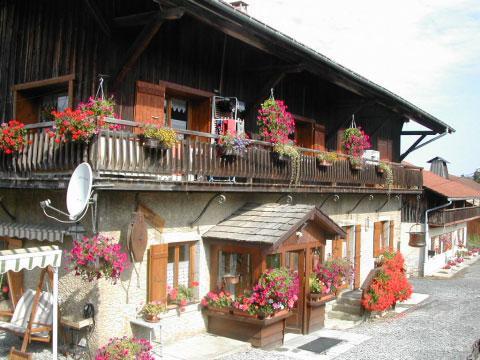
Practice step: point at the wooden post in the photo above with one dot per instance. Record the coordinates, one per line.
(357, 261)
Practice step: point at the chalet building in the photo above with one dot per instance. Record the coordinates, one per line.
(448, 212)
(176, 63)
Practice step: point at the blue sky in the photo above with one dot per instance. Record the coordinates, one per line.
(427, 51)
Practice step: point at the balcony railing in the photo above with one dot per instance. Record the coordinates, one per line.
(194, 161)
(452, 216)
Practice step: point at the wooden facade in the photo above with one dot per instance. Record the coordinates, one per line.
(68, 44)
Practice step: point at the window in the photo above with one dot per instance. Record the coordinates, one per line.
(35, 101)
(435, 245)
(181, 264)
(383, 237)
(274, 261)
(234, 271)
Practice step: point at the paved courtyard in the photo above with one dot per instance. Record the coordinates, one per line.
(442, 327)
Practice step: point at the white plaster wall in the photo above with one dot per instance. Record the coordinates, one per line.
(117, 303)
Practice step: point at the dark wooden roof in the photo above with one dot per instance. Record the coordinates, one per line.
(269, 223)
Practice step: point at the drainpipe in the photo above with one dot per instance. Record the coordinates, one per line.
(427, 236)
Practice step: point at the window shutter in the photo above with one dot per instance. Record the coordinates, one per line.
(149, 103)
(377, 234)
(337, 248)
(157, 273)
(356, 263)
(384, 146)
(304, 134)
(319, 138)
(391, 236)
(339, 140)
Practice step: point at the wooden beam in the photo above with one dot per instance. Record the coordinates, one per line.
(135, 19)
(97, 15)
(152, 218)
(347, 120)
(412, 148)
(418, 132)
(283, 68)
(143, 40)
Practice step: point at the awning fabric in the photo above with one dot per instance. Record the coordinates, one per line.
(33, 232)
(30, 258)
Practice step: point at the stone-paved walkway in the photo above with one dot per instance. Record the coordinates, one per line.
(442, 327)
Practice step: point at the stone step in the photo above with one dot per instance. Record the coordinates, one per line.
(336, 324)
(340, 315)
(348, 308)
(351, 298)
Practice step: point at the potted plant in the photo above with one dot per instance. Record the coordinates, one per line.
(97, 257)
(125, 348)
(13, 136)
(274, 121)
(318, 290)
(356, 163)
(151, 311)
(159, 137)
(217, 301)
(231, 144)
(386, 170)
(73, 125)
(182, 295)
(326, 158)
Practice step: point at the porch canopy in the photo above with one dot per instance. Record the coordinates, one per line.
(36, 257)
(271, 224)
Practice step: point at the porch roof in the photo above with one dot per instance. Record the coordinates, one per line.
(269, 223)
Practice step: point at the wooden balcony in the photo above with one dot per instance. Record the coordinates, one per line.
(194, 164)
(453, 216)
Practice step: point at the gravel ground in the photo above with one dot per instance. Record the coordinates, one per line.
(444, 326)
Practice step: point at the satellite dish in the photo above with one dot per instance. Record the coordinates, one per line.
(79, 190)
(79, 196)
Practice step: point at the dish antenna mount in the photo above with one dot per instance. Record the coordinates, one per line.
(79, 196)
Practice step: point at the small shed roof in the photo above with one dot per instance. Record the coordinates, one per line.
(269, 223)
(452, 188)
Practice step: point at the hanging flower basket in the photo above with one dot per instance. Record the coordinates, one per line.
(274, 121)
(416, 238)
(97, 257)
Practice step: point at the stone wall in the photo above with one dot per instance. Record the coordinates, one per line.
(115, 304)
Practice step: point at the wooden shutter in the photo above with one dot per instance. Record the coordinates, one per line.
(192, 263)
(377, 235)
(348, 243)
(199, 116)
(304, 134)
(357, 259)
(385, 148)
(157, 273)
(391, 236)
(319, 137)
(149, 103)
(337, 248)
(339, 140)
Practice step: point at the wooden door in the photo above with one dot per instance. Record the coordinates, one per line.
(295, 261)
(150, 103)
(157, 273)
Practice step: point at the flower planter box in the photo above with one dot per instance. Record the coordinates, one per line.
(219, 310)
(324, 163)
(279, 157)
(153, 144)
(230, 152)
(316, 311)
(265, 334)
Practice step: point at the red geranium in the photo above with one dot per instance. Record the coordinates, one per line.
(13, 136)
(73, 125)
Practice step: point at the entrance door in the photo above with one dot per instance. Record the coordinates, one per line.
(295, 261)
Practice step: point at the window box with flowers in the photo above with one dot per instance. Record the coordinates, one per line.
(231, 145)
(326, 158)
(259, 315)
(151, 311)
(220, 301)
(181, 296)
(159, 137)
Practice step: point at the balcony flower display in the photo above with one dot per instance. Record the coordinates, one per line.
(389, 286)
(387, 172)
(354, 144)
(125, 349)
(356, 163)
(327, 158)
(277, 290)
(151, 311)
(334, 274)
(73, 125)
(275, 122)
(101, 108)
(285, 151)
(217, 301)
(233, 144)
(97, 257)
(13, 136)
(159, 137)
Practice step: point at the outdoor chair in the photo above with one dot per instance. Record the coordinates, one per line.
(33, 317)
(19, 355)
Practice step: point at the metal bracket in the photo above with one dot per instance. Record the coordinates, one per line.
(289, 200)
(221, 200)
(335, 198)
(10, 215)
(387, 200)
(370, 198)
